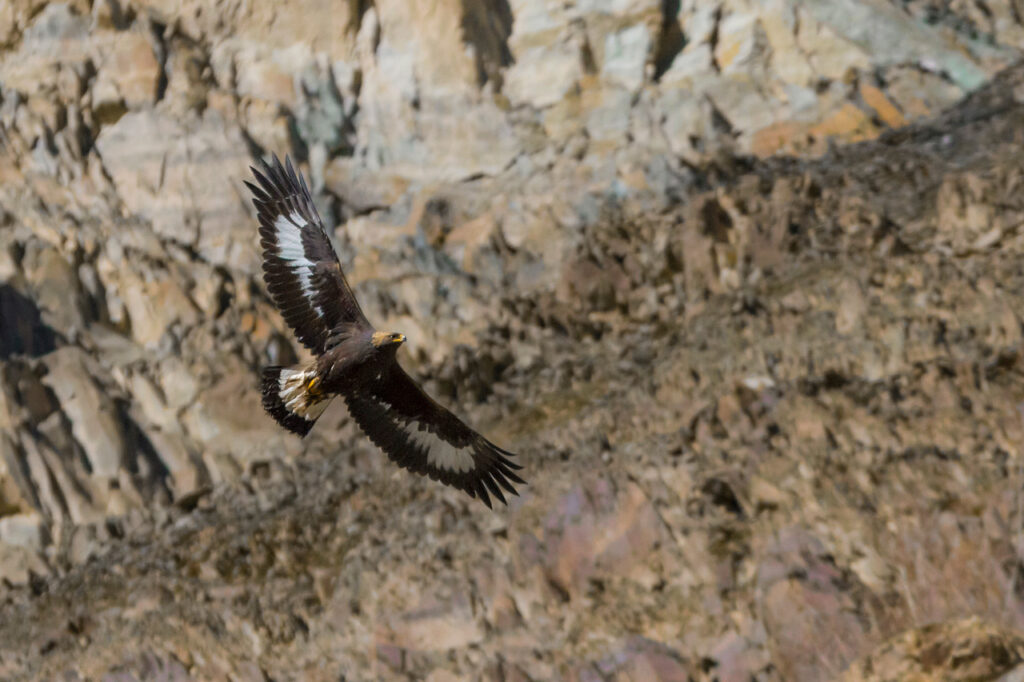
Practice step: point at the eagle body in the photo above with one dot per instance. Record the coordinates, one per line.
(354, 360)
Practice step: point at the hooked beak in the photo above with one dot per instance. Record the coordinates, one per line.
(382, 339)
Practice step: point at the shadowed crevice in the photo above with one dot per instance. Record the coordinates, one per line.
(22, 330)
(487, 26)
(671, 39)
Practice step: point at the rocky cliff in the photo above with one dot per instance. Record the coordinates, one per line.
(740, 280)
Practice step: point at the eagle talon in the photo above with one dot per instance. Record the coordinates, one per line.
(311, 386)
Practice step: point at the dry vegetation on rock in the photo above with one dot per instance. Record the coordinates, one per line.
(743, 283)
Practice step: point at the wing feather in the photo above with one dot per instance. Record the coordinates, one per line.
(420, 435)
(300, 267)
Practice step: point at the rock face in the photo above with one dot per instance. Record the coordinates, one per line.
(740, 280)
(958, 650)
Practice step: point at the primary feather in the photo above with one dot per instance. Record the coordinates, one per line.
(355, 361)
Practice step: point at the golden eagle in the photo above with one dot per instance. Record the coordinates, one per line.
(353, 359)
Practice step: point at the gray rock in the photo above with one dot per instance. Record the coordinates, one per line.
(752, 395)
(185, 180)
(95, 421)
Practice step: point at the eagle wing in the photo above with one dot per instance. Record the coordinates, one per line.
(422, 436)
(300, 267)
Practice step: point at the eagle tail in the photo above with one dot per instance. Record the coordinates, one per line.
(291, 396)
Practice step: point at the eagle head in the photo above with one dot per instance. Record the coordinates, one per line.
(384, 339)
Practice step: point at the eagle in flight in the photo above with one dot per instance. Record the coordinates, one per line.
(354, 360)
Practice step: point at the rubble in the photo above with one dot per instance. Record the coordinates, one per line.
(739, 281)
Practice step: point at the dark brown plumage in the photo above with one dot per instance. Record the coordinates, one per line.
(354, 360)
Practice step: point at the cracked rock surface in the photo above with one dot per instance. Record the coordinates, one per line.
(743, 282)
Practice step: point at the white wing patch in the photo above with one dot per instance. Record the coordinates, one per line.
(440, 453)
(288, 230)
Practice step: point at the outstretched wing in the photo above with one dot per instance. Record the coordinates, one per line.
(300, 267)
(421, 436)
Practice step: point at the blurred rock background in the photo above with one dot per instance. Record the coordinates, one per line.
(743, 282)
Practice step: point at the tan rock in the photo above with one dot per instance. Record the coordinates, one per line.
(128, 72)
(765, 494)
(851, 307)
(186, 471)
(598, 531)
(626, 55)
(149, 399)
(153, 305)
(13, 497)
(179, 385)
(890, 36)
(228, 419)
(440, 66)
(55, 287)
(18, 563)
(22, 530)
(435, 628)
(773, 138)
(362, 190)
(266, 74)
(969, 649)
(93, 416)
(885, 109)
(188, 78)
(466, 241)
(263, 120)
(185, 179)
(849, 124)
(740, 37)
(543, 75)
(606, 114)
(50, 33)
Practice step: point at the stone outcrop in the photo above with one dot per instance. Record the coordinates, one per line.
(739, 279)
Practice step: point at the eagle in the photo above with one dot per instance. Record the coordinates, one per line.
(352, 359)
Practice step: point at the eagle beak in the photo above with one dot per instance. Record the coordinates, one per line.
(399, 338)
